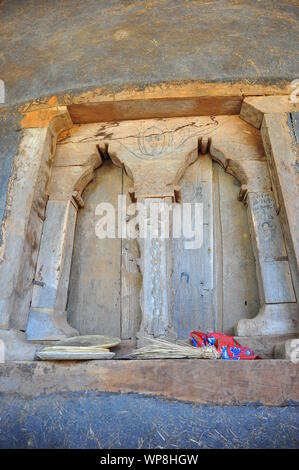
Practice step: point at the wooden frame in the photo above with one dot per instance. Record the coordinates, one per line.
(57, 119)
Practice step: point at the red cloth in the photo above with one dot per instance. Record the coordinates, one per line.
(229, 348)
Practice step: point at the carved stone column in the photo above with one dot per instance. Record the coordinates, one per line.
(280, 138)
(240, 151)
(278, 313)
(48, 316)
(156, 268)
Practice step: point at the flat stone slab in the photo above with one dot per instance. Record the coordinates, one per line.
(90, 340)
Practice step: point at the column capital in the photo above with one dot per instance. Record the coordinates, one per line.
(72, 170)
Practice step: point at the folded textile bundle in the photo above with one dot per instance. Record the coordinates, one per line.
(226, 346)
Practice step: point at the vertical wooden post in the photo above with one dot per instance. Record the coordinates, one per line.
(47, 318)
(156, 268)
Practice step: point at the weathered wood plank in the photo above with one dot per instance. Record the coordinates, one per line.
(192, 279)
(268, 382)
(154, 108)
(237, 274)
(218, 250)
(131, 279)
(156, 266)
(94, 293)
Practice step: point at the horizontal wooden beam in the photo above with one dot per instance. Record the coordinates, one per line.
(255, 107)
(267, 382)
(169, 90)
(154, 108)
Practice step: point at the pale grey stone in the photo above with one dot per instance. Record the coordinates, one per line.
(279, 310)
(48, 317)
(16, 348)
(288, 350)
(272, 319)
(51, 355)
(90, 340)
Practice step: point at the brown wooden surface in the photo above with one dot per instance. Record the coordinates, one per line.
(254, 108)
(166, 91)
(154, 108)
(268, 382)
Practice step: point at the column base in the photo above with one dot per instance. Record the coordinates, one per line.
(272, 319)
(47, 325)
(16, 348)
